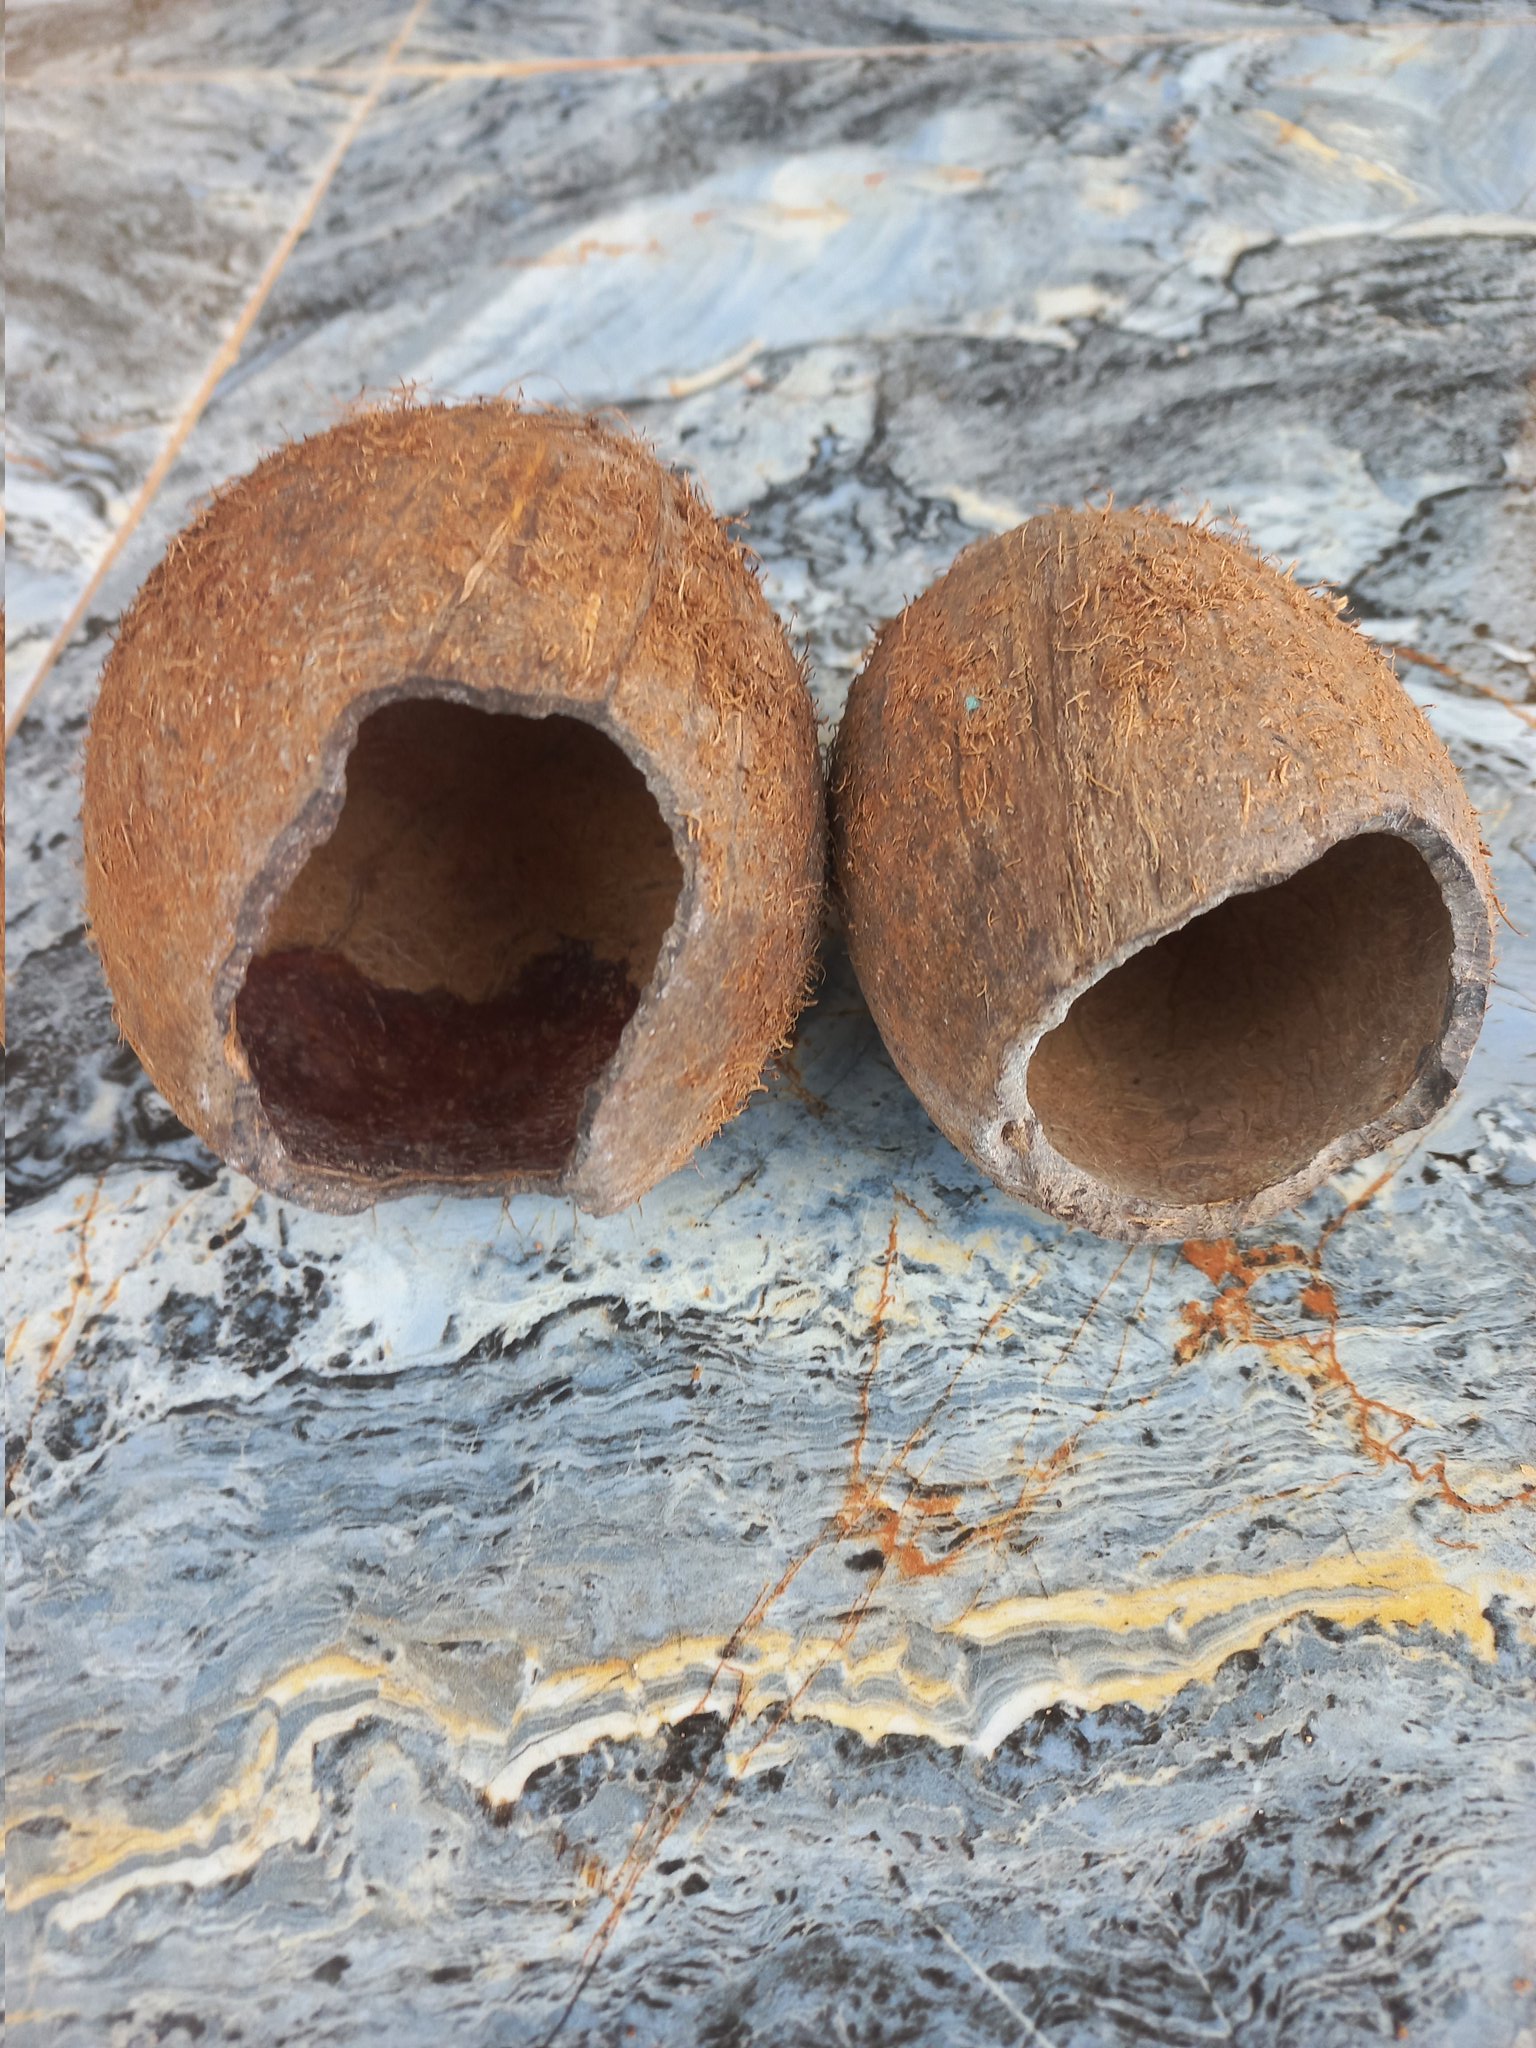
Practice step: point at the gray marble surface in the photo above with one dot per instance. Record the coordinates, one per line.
(64, 42)
(142, 220)
(829, 1603)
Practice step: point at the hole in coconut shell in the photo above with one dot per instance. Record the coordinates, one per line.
(452, 969)
(1225, 1056)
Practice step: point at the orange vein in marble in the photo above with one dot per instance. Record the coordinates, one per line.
(866, 1513)
(1423, 660)
(877, 1339)
(1231, 1317)
(447, 70)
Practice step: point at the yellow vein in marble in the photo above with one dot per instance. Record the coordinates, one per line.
(1086, 1647)
(271, 1799)
(224, 360)
(1180, 1604)
(1293, 135)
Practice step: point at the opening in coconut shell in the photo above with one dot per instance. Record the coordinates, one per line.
(1223, 1057)
(453, 967)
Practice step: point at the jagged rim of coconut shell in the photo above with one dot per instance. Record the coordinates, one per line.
(257, 1150)
(1087, 1199)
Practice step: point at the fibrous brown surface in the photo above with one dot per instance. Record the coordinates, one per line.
(453, 814)
(1165, 898)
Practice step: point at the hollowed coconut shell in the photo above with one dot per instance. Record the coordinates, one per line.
(453, 814)
(1165, 898)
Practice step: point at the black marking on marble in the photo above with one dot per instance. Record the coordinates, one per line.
(254, 1321)
(64, 1050)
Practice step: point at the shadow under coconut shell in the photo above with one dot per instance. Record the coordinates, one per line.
(453, 968)
(1224, 1057)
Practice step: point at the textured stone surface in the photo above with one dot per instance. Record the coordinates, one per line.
(56, 41)
(141, 218)
(829, 1603)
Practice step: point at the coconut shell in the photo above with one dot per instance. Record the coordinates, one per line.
(1165, 898)
(453, 814)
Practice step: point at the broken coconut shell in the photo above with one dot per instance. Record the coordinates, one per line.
(1165, 898)
(453, 814)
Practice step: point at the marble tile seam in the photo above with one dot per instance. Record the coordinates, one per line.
(452, 70)
(224, 358)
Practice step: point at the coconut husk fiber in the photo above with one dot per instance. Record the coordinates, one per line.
(1165, 898)
(453, 814)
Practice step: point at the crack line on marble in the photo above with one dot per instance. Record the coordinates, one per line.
(666, 1815)
(67, 1318)
(449, 70)
(995, 1528)
(990, 1983)
(1310, 1491)
(224, 359)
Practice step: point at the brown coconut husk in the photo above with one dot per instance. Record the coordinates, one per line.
(1165, 898)
(453, 814)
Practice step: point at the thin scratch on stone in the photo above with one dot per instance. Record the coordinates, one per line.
(1031, 2032)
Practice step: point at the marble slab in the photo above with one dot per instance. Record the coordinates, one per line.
(829, 1602)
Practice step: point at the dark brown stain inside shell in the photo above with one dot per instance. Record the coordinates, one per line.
(452, 969)
(361, 1077)
(1227, 1055)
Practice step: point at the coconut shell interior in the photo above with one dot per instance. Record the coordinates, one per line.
(451, 969)
(1227, 1054)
